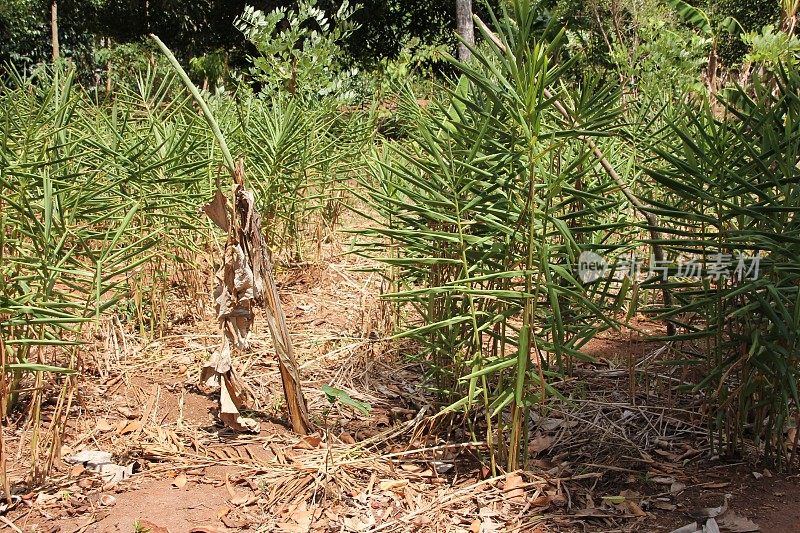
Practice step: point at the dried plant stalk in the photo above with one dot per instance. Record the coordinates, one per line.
(245, 278)
(243, 281)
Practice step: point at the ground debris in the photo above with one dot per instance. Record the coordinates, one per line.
(593, 465)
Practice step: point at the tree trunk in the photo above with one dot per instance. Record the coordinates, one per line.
(465, 27)
(54, 28)
(711, 71)
(109, 44)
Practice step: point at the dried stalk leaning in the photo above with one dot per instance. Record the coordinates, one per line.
(244, 279)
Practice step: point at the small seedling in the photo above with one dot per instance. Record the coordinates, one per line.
(333, 394)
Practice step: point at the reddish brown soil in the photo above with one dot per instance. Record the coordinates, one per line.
(772, 502)
(155, 502)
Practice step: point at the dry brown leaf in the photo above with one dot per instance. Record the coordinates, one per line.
(179, 481)
(223, 511)
(232, 396)
(233, 296)
(392, 484)
(217, 210)
(514, 487)
(475, 526)
(77, 470)
(540, 443)
(130, 427)
(104, 425)
(634, 509)
(347, 438)
(309, 442)
(146, 525)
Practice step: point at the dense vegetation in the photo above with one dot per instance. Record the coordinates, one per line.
(653, 130)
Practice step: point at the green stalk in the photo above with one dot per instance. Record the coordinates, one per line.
(476, 340)
(529, 310)
(212, 122)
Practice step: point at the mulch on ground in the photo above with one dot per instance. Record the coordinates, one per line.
(622, 454)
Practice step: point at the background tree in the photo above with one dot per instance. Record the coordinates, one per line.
(54, 28)
(465, 27)
(87, 31)
(21, 37)
(27, 30)
(752, 15)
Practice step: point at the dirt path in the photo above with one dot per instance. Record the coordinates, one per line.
(153, 504)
